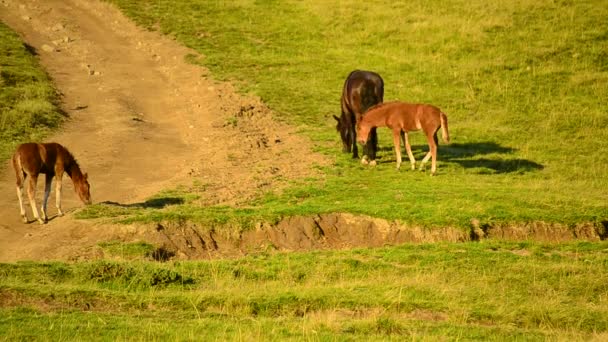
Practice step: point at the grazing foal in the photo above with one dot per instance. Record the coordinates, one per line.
(51, 159)
(401, 116)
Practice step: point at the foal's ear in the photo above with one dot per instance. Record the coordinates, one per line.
(86, 176)
(337, 118)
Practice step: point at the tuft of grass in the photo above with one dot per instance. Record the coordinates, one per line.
(28, 101)
(127, 251)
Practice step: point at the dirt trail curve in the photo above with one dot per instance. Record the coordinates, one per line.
(141, 120)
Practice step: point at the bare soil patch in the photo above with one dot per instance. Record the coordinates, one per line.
(141, 120)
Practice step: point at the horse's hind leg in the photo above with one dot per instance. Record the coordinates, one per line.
(31, 193)
(20, 180)
(408, 149)
(20, 197)
(432, 139)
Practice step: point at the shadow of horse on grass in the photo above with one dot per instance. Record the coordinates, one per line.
(154, 203)
(467, 156)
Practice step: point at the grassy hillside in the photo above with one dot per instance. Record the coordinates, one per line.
(27, 98)
(482, 291)
(525, 86)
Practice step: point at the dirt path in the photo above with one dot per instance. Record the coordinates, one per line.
(142, 120)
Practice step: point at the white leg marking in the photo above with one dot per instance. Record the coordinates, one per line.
(408, 149)
(21, 207)
(31, 194)
(58, 180)
(47, 192)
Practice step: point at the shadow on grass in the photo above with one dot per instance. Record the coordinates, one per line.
(463, 154)
(155, 203)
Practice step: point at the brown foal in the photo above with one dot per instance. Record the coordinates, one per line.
(401, 116)
(52, 159)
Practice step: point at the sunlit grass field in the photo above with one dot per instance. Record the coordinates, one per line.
(466, 291)
(525, 87)
(524, 84)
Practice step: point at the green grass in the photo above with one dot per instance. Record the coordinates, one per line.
(28, 101)
(524, 84)
(489, 291)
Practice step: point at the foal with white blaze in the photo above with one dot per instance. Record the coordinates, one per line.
(406, 117)
(52, 159)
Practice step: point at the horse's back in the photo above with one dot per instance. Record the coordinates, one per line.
(362, 90)
(36, 158)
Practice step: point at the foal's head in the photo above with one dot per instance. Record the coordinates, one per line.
(363, 130)
(83, 189)
(344, 128)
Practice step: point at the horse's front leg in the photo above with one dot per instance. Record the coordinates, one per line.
(397, 143)
(58, 186)
(47, 191)
(31, 193)
(372, 146)
(353, 134)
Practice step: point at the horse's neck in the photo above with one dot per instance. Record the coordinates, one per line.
(378, 118)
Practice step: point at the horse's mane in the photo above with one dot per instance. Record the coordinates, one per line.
(69, 161)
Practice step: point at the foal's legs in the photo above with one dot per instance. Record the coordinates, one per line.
(58, 179)
(397, 143)
(408, 149)
(20, 175)
(20, 196)
(432, 139)
(47, 191)
(31, 193)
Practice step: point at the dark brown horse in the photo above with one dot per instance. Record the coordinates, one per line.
(362, 90)
(52, 159)
(401, 116)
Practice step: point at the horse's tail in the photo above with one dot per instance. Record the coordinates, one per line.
(444, 127)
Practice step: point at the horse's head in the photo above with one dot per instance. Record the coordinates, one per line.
(363, 130)
(83, 189)
(343, 127)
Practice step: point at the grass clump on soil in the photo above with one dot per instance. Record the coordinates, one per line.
(488, 290)
(28, 101)
(524, 86)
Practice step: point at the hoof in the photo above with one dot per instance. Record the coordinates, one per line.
(413, 167)
(24, 218)
(372, 163)
(59, 213)
(364, 160)
(41, 221)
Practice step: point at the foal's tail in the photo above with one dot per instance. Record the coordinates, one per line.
(444, 127)
(18, 168)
